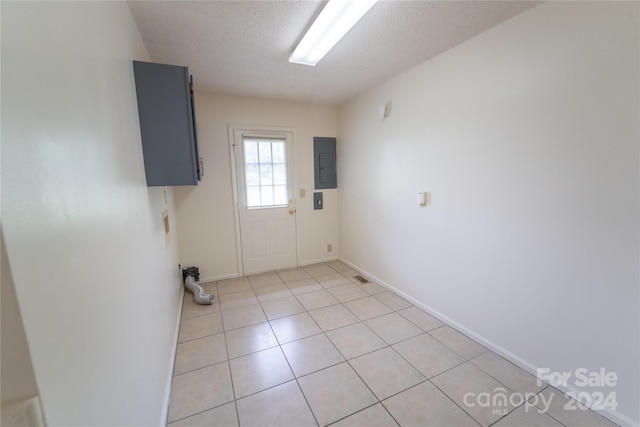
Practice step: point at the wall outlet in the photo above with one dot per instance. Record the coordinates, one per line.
(329, 247)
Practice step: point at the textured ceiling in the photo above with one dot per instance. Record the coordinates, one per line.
(242, 47)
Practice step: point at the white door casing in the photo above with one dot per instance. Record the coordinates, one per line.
(263, 177)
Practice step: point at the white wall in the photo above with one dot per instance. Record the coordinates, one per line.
(527, 137)
(98, 290)
(206, 213)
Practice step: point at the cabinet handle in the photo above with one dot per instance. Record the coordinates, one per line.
(201, 166)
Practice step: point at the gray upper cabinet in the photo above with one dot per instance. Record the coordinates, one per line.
(167, 124)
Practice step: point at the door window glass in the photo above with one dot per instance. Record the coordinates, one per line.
(265, 166)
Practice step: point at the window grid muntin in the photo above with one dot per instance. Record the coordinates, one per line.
(263, 187)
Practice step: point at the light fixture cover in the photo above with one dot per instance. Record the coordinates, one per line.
(335, 20)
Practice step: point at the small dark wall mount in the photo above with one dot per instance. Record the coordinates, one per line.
(317, 200)
(191, 271)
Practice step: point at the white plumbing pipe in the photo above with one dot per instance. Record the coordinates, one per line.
(198, 293)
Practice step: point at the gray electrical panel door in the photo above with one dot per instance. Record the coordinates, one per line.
(324, 162)
(167, 124)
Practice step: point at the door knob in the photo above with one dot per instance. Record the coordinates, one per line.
(292, 211)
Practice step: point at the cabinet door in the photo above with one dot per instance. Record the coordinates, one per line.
(167, 124)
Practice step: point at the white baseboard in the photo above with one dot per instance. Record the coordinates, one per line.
(204, 280)
(236, 275)
(318, 261)
(614, 416)
(172, 362)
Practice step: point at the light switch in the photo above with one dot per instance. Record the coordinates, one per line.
(423, 198)
(303, 193)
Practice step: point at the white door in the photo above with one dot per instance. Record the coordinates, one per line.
(266, 208)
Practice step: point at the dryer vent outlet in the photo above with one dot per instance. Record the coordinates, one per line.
(190, 271)
(190, 277)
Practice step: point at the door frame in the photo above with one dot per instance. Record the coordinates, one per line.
(267, 131)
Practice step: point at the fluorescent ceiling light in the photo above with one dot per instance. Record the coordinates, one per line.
(335, 20)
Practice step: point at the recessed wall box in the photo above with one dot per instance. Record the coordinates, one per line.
(324, 162)
(317, 200)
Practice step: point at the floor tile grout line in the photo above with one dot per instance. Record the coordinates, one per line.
(356, 372)
(193, 317)
(231, 373)
(394, 350)
(307, 311)
(452, 349)
(416, 368)
(323, 331)
(454, 402)
(419, 335)
(548, 414)
(348, 361)
(502, 382)
(364, 382)
(279, 345)
(465, 359)
(398, 311)
(295, 378)
(233, 392)
(200, 368)
(516, 407)
(379, 402)
(233, 389)
(316, 334)
(359, 321)
(357, 412)
(200, 412)
(200, 337)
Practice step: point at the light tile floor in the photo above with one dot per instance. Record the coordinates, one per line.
(313, 346)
